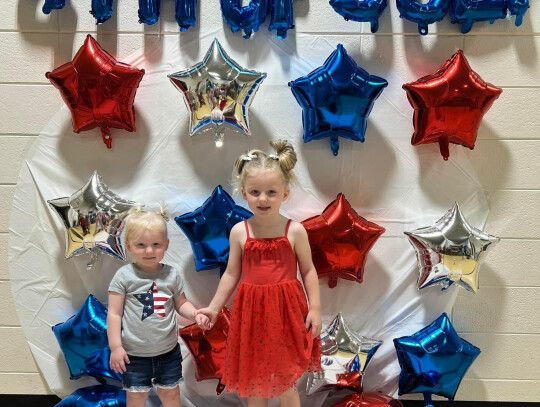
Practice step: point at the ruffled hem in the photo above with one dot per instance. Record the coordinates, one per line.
(268, 348)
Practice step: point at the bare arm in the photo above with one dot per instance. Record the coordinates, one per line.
(230, 278)
(187, 310)
(115, 311)
(309, 277)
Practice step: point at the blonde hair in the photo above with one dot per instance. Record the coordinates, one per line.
(139, 221)
(283, 160)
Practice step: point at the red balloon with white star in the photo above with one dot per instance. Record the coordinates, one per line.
(98, 90)
(340, 241)
(450, 104)
(368, 400)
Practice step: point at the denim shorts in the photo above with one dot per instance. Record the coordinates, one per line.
(163, 371)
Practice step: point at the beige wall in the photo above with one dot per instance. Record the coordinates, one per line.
(503, 319)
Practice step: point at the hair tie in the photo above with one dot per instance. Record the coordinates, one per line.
(249, 157)
(273, 156)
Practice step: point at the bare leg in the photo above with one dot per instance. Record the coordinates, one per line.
(290, 398)
(257, 402)
(169, 397)
(136, 398)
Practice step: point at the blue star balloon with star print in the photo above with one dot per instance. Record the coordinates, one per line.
(83, 341)
(208, 229)
(336, 99)
(434, 360)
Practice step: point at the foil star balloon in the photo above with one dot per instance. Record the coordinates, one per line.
(218, 92)
(208, 348)
(83, 340)
(336, 99)
(340, 240)
(98, 90)
(450, 104)
(368, 400)
(451, 251)
(434, 360)
(345, 357)
(94, 220)
(96, 396)
(208, 228)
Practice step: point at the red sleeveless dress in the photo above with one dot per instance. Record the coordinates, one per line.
(268, 347)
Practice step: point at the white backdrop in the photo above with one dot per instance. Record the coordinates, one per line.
(386, 180)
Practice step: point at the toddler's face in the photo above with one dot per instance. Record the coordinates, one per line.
(148, 249)
(264, 191)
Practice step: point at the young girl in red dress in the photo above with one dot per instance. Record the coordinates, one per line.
(273, 337)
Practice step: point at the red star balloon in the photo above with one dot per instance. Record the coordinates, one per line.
(449, 104)
(368, 400)
(98, 90)
(208, 348)
(340, 240)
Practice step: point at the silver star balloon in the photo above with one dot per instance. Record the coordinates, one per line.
(217, 92)
(451, 251)
(345, 356)
(94, 220)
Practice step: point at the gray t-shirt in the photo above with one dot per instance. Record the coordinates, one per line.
(149, 321)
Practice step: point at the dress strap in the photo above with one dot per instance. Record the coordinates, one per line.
(287, 228)
(247, 228)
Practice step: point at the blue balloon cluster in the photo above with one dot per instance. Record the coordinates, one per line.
(367, 11)
(208, 228)
(83, 341)
(434, 360)
(102, 10)
(336, 99)
(96, 396)
(247, 19)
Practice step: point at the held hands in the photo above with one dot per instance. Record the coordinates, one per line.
(118, 360)
(313, 321)
(202, 320)
(209, 314)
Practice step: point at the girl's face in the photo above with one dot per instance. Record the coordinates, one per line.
(264, 191)
(148, 249)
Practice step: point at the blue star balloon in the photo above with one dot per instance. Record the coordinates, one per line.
(50, 5)
(102, 10)
(96, 396)
(423, 14)
(245, 19)
(468, 12)
(208, 229)
(434, 360)
(336, 99)
(149, 11)
(367, 11)
(83, 341)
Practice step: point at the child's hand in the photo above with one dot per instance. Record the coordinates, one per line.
(210, 314)
(203, 321)
(313, 321)
(118, 360)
